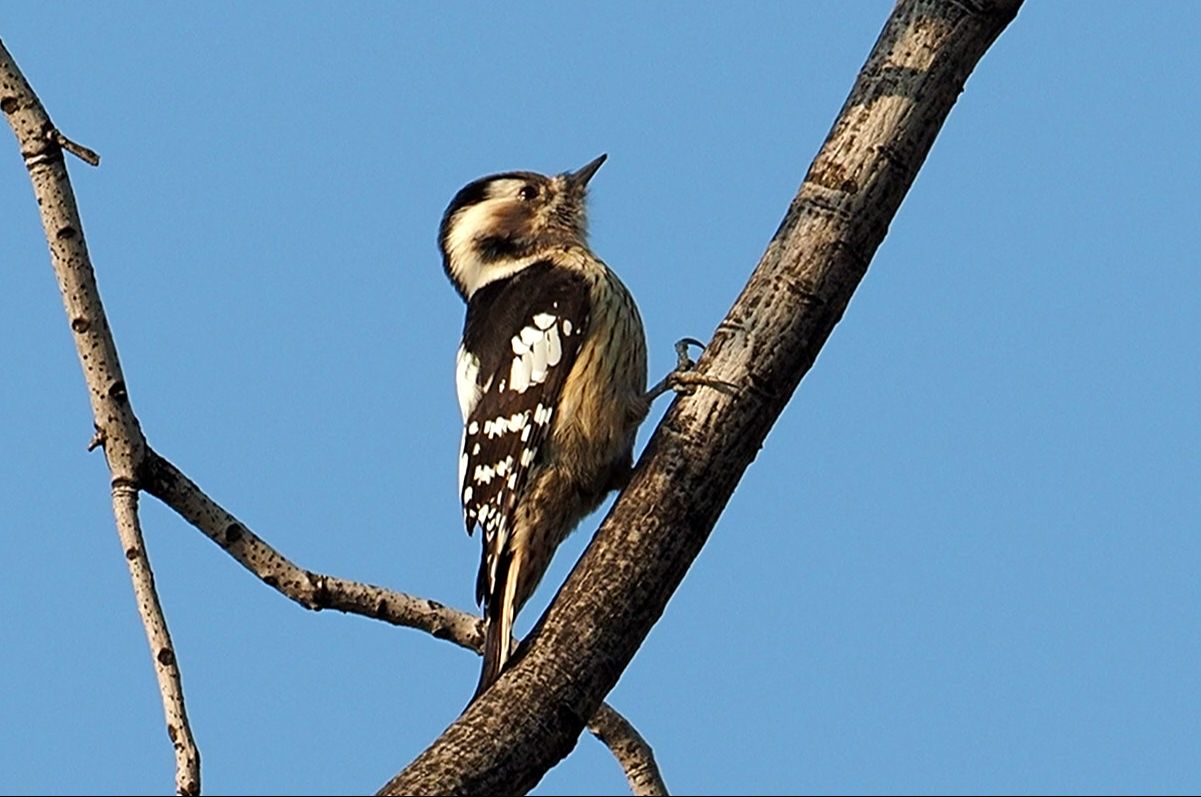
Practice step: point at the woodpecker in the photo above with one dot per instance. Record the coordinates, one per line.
(551, 379)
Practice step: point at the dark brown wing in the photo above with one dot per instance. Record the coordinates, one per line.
(520, 341)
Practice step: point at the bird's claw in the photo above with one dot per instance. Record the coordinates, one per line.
(684, 379)
(683, 361)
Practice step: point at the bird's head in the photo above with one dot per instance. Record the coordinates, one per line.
(497, 225)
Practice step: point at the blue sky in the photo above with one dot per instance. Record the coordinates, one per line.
(966, 558)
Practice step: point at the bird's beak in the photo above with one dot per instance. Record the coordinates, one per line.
(580, 177)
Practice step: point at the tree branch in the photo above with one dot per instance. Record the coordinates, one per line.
(187, 756)
(117, 428)
(630, 750)
(311, 590)
(317, 591)
(134, 465)
(530, 719)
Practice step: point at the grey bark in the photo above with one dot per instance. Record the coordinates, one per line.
(530, 719)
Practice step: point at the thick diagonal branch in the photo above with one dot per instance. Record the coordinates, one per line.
(531, 718)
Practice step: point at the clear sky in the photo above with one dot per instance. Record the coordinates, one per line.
(966, 558)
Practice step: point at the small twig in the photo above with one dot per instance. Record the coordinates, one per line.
(89, 156)
(187, 756)
(317, 591)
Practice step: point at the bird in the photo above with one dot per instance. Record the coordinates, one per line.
(551, 377)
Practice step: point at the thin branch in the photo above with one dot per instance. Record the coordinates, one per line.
(117, 427)
(134, 465)
(187, 757)
(630, 749)
(311, 590)
(532, 716)
(317, 591)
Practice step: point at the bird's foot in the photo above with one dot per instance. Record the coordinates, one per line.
(684, 379)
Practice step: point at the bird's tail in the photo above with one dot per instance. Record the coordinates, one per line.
(498, 636)
(494, 657)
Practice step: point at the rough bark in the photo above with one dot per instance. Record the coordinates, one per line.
(530, 719)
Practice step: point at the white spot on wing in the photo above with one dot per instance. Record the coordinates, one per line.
(538, 361)
(531, 335)
(519, 375)
(462, 469)
(554, 348)
(542, 414)
(467, 371)
(544, 320)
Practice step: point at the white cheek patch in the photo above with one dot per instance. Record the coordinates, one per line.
(536, 349)
(472, 224)
(460, 244)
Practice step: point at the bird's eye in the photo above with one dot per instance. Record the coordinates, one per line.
(527, 192)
